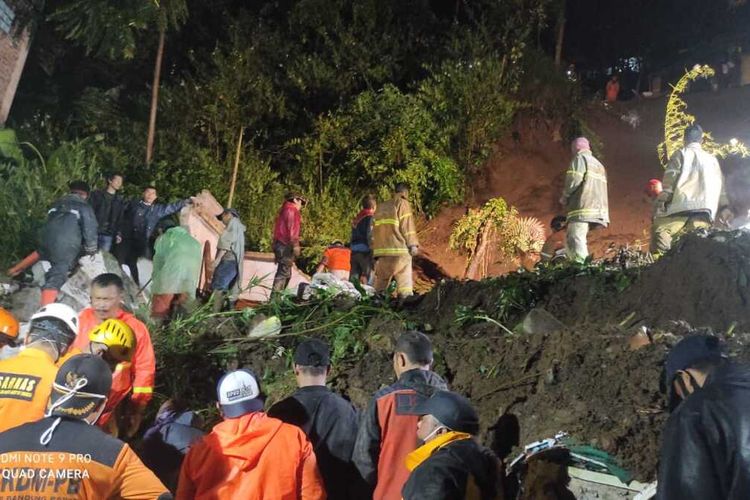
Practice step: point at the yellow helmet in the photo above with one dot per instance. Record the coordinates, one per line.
(117, 336)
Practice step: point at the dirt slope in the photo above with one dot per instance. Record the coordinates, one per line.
(529, 172)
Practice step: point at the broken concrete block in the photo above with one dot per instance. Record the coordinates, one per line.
(539, 321)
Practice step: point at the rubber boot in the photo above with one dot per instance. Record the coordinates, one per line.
(49, 295)
(218, 300)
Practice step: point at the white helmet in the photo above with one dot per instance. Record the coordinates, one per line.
(63, 312)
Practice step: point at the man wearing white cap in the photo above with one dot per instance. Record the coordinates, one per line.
(249, 454)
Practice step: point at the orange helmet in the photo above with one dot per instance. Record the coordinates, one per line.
(8, 328)
(654, 188)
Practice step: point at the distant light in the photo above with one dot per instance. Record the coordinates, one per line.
(733, 142)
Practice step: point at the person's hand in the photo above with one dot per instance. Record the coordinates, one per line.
(297, 251)
(414, 250)
(118, 239)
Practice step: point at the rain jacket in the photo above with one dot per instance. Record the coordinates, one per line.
(330, 422)
(388, 432)
(453, 466)
(71, 227)
(288, 223)
(394, 229)
(704, 453)
(585, 190)
(177, 263)
(693, 182)
(135, 378)
(25, 385)
(362, 231)
(251, 457)
(80, 461)
(233, 241)
(108, 209)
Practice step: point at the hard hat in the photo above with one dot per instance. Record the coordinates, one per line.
(64, 313)
(654, 188)
(117, 336)
(8, 327)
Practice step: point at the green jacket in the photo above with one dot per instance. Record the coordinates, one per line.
(177, 263)
(585, 190)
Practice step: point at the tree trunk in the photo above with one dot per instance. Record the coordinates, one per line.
(560, 35)
(155, 97)
(477, 266)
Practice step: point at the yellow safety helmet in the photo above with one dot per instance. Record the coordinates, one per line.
(117, 336)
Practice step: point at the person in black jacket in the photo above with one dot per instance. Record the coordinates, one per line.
(108, 207)
(138, 225)
(361, 260)
(704, 453)
(450, 464)
(328, 420)
(70, 229)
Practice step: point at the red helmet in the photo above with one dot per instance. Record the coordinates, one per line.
(654, 188)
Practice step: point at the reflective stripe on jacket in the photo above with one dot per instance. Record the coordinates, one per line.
(693, 182)
(585, 190)
(138, 375)
(394, 229)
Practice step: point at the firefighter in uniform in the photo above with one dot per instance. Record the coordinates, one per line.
(394, 243)
(585, 198)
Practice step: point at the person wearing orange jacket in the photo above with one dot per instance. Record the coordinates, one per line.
(63, 455)
(133, 383)
(336, 260)
(249, 455)
(26, 378)
(8, 329)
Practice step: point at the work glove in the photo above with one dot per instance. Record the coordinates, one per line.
(413, 250)
(297, 251)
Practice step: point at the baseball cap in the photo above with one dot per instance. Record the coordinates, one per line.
(239, 393)
(452, 410)
(80, 385)
(312, 352)
(691, 350)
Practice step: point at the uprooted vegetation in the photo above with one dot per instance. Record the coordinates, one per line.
(579, 376)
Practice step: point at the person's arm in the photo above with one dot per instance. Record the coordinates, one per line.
(406, 224)
(133, 480)
(89, 229)
(310, 483)
(366, 452)
(573, 178)
(671, 175)
(162, 210)
(323, 263)
(688, 458)
(144, 370)
(185, 486)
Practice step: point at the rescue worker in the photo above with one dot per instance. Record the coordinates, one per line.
(26, 378)
(613, 88)
(112, 340)
(138, 224)
(450, 463)
(337, 260)
(585, 198)
(388, 430)
(328, 420)
(177, 269)
(64, 455)
(230, 255)
(133, 383)
(704, 444)
(286, 233)
(8, 329)
(362, 262)
(692, 192)
(108, 207)
(394, 243)
(554, 246)
(249, 454)
(70, 229)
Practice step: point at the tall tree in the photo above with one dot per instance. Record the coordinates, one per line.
(112, 30)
